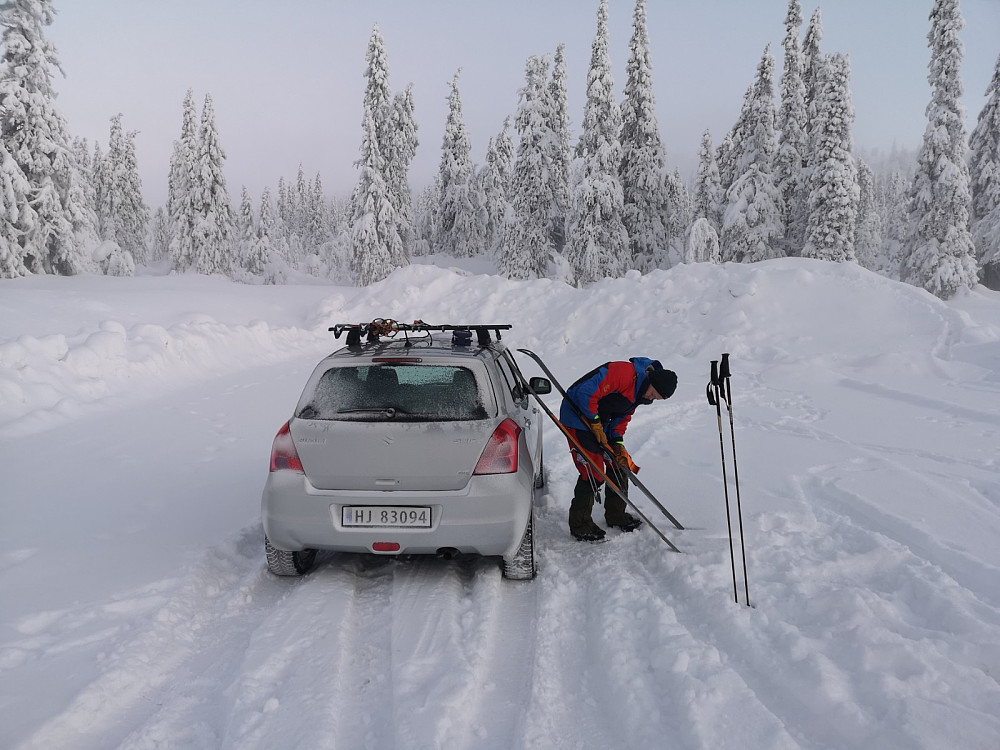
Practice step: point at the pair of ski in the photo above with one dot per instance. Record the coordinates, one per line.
(599, 470)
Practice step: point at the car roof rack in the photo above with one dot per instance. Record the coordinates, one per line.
(388, 328)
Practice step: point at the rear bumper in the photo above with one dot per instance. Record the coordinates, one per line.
(487, 517)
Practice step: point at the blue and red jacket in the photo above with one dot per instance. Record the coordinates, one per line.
(609, 393)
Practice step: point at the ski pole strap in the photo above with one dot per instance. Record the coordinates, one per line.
(724, 375)
(712, 389)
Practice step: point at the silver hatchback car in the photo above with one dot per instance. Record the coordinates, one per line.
(421, 444)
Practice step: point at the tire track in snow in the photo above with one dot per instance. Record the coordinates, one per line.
(468, 670)
(410, 656)
(363, 652)
(618, 668)
(169, 664)
(293, 669)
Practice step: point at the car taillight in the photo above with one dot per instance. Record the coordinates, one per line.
(500, 454)
(283, 453)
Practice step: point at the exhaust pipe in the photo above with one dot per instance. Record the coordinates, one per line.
(447, 553)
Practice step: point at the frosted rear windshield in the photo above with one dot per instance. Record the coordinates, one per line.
(396, 392)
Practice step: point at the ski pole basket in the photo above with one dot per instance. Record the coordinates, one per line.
(388, 328)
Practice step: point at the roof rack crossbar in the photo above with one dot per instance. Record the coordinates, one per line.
(387, 327)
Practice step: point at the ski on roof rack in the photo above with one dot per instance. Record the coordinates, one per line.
(389, 328)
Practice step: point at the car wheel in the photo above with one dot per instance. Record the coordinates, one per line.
(521, 567)
(283, 563)
(540, 476)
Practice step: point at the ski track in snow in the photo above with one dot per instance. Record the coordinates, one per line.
(875, 624)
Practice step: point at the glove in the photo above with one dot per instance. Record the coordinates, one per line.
(598, 429)
(623, 458)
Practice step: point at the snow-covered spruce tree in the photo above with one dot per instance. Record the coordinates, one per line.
(307, 231)
(256, 245)
(318, 228)
(984, 152)
(702, 243)
(274, 260)
(461, 227)
(159, 240)
(135, 223)
(402, 148)
(561, 156)
(939, 253)
(644, 187)
(678, 209)
(984, 173)
(375, 237)
(728, 154)
(793, 143)
(751, 226)
(100, 179)
(123, 216)
(291, 209)
(378, 96)
(812, 58)
(812, 64)
(284, 223)
(833, 194)
(17, 217)
(85, 168)
(182, 187)
(494, 179)
(868, 231)
(376, 242)
(35, 136)
(244, 230)
(213, 229)
(526, 244)
(425, 210)
(892, 196)
(597, 244)
(97, 166)
(709, 198)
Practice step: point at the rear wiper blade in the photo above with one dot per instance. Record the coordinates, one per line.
(389, 411)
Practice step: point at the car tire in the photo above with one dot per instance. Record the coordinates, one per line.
(521, 567)
(283, 563)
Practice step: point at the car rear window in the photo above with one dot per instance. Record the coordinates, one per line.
(396, 392)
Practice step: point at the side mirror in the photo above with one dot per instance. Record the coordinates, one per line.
(541, 386)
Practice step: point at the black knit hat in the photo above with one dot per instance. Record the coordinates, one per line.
(664, 381)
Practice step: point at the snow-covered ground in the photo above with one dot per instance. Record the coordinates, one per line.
(136, 417)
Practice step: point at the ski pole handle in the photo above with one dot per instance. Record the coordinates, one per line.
(724, 375)
(710, 389)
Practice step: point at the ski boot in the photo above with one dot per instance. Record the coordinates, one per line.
(581, 525)
(614, 508)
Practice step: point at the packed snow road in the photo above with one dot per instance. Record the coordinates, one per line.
(136, 610)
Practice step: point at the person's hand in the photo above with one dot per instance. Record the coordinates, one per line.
(598, 429)
(623, 458)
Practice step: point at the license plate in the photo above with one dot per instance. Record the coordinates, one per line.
(386, 516)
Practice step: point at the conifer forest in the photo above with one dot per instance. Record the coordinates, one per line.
(545, 201)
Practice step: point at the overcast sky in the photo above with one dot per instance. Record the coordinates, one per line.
(287, 78)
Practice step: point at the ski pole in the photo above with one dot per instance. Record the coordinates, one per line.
(727, 394)
(712, 393)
